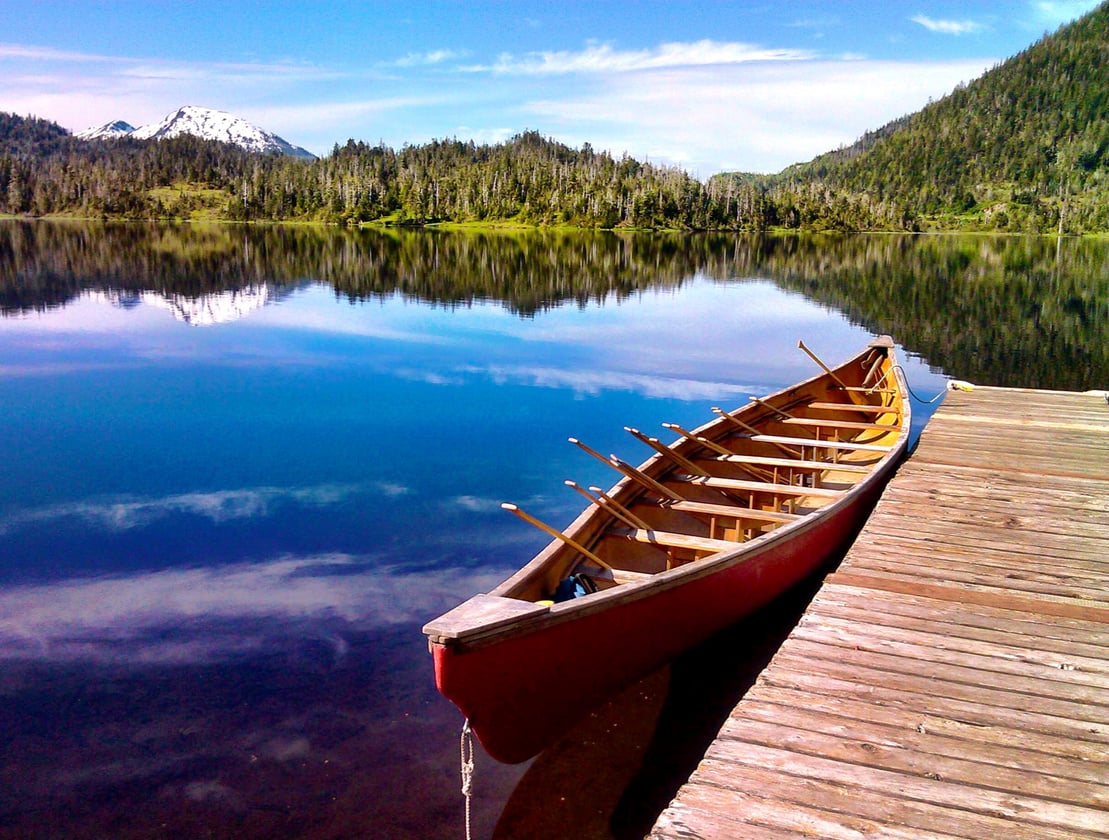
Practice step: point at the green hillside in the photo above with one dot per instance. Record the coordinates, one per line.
(1009, 151)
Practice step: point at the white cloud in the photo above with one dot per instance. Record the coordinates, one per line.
(80, 90)
(334, 113)
(591, 382)
(475, 504)
(947, 27)
(760, 117)
(208, 614)
(602, 58)
(217, 506)
(416, 59)
(31, 52)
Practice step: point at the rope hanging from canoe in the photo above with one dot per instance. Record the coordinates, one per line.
(467, 758)
(952, 385)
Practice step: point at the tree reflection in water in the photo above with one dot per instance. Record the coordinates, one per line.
(998, 310)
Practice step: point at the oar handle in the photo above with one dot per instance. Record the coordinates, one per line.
(554, 532)
(816, 359)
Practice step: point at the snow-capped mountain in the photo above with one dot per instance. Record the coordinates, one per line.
(119, 128)
(210, 125)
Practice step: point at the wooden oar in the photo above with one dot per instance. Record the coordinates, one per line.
(629, 471)
(873, 368)
(644, 479)
(603, 500)
(557, 534)
(752, 430)
(816, 359)
(716, 447)
(880, 380)
(642, 523)
(704, 441)
(666, 451)
(775, 409)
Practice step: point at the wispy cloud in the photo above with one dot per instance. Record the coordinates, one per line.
(947, 27)
(81, 89)
(31, 52)
(209, 614)
(217, 506)
(592, 382)
(603, 58)
(756, 117)
(160, 68)
(431, 57)
(333, 112)
(1056, 12)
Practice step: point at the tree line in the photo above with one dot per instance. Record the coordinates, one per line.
(529, 179)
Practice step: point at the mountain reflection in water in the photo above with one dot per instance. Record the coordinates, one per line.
(999, 310)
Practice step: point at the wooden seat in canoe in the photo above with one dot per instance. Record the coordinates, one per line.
(815, 466)
(672, 540)
(861, 409)
(842, 445)
(852, 425)
(756, 486)
(732, 511)
(628, 576)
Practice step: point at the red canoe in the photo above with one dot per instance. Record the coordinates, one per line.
(709, 529)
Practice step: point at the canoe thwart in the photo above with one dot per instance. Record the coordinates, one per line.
(822, 444)
(672, 540)
(853, 425)
(733, 512)
(758, 486)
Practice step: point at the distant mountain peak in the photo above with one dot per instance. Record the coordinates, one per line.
(117, 128)
(206, 123)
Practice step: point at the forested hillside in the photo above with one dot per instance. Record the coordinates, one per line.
(1013, 150)
(529, 180)
(1023, 148)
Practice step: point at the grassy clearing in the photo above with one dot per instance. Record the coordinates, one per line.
(196, 202)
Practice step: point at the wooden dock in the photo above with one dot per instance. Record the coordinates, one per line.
(951, 678)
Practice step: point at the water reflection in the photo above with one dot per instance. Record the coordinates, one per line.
(203, 615)
(1014, 311)
(217, 546)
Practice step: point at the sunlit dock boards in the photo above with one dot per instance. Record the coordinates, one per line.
(951, 678)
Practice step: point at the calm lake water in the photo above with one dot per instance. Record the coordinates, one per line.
(242, 467)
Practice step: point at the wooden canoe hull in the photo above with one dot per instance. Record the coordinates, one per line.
(523, 669)
(523, 693)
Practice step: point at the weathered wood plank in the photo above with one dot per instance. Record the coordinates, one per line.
(991, 553)
(703, 804)
(998, 597)
(1066, 757)
(970, 571)
(732, 814)
(997, 626)
(917, 786)
(1004, 657)
(973, 705)
(921, 755)
(967, 674)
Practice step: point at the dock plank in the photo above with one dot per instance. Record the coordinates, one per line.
(951, 678)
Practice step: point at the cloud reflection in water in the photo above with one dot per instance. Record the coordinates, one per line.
(217, 505)
(192, 616)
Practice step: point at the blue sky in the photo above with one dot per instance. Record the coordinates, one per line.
(707, 86)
